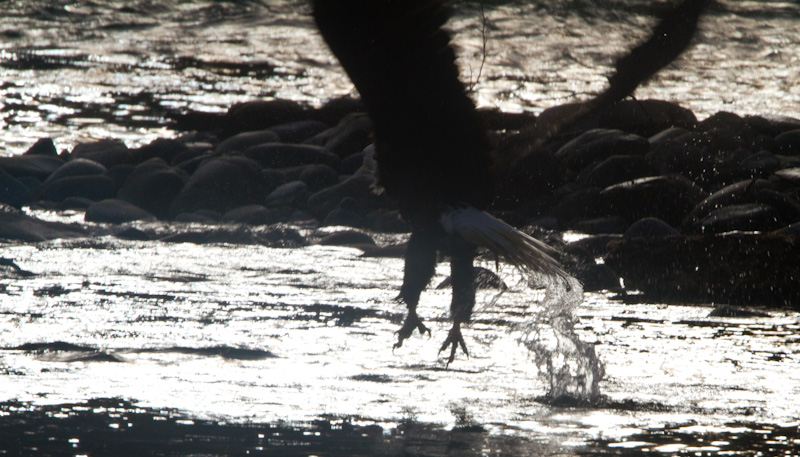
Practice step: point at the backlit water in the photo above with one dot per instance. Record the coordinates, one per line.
(250, 334)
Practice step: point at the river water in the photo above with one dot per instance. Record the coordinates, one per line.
(82, 70)
(249, 334)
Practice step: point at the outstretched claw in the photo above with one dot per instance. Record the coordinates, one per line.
(411, 323)
(455, 340)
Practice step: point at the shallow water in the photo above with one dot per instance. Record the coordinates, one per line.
(250, 334)
(84, 70)
(242, 335)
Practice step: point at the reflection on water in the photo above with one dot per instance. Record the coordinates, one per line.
(81, 70)
(226, 334)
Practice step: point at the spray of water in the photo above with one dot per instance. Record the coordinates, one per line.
(568, 365)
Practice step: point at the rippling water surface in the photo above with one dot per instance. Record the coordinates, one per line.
(250, 334)
(80, 70)
(265, 335)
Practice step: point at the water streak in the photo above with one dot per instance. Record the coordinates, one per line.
(569, 365)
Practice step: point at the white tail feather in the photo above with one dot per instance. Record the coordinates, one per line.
(515, 247)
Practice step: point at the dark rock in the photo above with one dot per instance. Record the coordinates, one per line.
(789, 230)
(242, 141)
(318, 177)
(599, 144)
(115, 211)
(152, 186)
(789, 175)
(482, 278)
(745, 217)
(92, 187)
(199, 216)
(789, 142)
(539, 173)
(350, 164)
(390, 251)
(578, 205)
(732, 311)
(43, 146)
(351, 135)
(14, 225)
(386, 221)
(250, 214)
(221, 184)
(669, 198)
(738, 269)
(347, 213)
(645, 117)
(10, 270)
(347, 238)
(596, 277)
(759, 165)
(744, 192)
(596, 246)
(77, 167)
(299, 131)
(650, 227)
(35, 166)
(106, 152)
(76, 203)
(293, 194)
(165, 149)
(359, 187)
(279, 155)
(13, 192)
(617, 169)
(601, 225)
(670, 134)
(272, 236)
(259, 115)
(120, 173)
(134, 234)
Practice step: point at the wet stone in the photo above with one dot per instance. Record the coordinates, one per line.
(297, 132)
(115, 211)
(92, 187)
(788, 143)
(617, 169)
(650, 227)
(43, 146)
(245, 140)
(35, 166)
(347, 238)
(106, 152)
(599, 144)
(279, 155)
(153, 185)
(13, 192)
(745, 217)
(77, 167)
(221, 184)
(250, 214)
(293, 194)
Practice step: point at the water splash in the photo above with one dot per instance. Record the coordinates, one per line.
(569, 365)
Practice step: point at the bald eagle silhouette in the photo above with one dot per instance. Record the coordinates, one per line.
(431, 149)
(432, 154)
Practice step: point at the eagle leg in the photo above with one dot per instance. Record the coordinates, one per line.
(419, 268)
(463, 301)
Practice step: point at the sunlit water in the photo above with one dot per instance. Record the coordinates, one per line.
(82, 70)
(250, 333)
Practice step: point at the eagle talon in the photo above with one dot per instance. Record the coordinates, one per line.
(455, 340)
(412, 322)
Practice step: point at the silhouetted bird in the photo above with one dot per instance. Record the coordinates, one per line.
(431, 148)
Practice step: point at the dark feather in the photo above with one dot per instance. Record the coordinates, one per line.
(430, 144)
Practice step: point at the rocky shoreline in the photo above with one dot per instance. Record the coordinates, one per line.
(683, 211)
